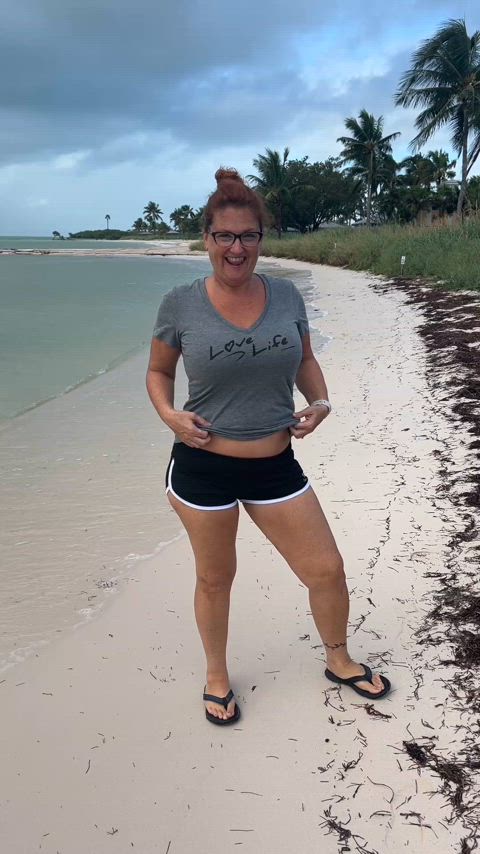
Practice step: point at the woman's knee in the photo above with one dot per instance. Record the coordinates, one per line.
(325, 570)
(215, 582)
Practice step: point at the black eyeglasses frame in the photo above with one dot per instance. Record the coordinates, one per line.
(236, 237)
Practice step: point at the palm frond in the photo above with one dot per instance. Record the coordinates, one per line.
(457, 125)
(474, 151)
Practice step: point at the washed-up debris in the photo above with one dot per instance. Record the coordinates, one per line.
(345, 836)
(449, 325)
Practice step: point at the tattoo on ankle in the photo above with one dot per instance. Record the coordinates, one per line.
(334, 645)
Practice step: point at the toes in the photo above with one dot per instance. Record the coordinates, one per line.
(220, 712)
(373, 687)
(215, 711)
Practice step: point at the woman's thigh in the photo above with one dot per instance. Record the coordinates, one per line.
(212, 534)
(300, 532)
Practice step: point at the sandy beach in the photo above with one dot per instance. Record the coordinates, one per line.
(105, 746)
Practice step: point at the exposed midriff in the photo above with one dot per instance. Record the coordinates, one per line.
(267, 446)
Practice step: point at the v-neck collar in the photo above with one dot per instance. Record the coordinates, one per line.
(204, 292)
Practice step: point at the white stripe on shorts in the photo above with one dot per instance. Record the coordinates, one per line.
(277, 500)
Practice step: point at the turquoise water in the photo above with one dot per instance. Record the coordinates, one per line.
(64, 320)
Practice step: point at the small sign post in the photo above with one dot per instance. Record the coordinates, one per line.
(402, 264)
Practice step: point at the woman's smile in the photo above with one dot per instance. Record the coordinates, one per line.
(235, 260)
(233, 265)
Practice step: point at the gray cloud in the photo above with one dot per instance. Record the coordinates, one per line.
(139, 89)
(74, 75)
(77, 75)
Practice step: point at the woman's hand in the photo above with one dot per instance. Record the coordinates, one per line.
(189, 427)
(308, 420)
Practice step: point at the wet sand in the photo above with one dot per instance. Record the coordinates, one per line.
(104, 741)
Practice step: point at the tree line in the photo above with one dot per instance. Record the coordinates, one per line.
(184, 220)
(302, 196)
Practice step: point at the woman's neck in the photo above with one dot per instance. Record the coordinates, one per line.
(243, 290)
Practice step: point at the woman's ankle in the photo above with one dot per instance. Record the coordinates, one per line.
(337, 657)
(217, 675)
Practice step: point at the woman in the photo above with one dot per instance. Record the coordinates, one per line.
(244, 340)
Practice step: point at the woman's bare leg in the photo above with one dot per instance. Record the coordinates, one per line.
(299, 530)
(212, 534)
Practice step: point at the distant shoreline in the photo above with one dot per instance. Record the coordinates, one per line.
(147, 247)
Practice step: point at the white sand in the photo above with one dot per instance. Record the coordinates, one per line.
(105, 746)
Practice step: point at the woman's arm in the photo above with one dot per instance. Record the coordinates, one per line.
(161, 372)
(161, 385)
(311, 383)
(310, 380)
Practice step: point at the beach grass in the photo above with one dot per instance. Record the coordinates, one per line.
(448, 254)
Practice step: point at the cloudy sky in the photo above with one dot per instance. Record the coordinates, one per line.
(105, 106)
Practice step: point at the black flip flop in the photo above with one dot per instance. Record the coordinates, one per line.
(365, 677)
(222, 701)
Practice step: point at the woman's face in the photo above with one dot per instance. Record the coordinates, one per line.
(233, 265)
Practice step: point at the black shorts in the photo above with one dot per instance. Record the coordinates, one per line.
(209, 481)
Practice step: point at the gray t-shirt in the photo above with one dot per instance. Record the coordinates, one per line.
(241, 380)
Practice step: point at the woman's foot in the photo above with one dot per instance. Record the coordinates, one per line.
(219, 688)
(349, 669)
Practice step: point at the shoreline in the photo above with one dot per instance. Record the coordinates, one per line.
(113, 709)
(161, 248)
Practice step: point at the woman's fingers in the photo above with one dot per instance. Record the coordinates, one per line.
(296, 433)
(308, 421)
(200, 441)
(201, 421)
(190, 428)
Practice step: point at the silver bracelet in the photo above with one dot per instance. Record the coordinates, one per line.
(322, 403)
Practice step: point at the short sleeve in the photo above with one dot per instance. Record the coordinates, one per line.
(166, 326)
(300, 313)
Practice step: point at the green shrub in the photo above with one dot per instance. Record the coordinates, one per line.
(449, 253)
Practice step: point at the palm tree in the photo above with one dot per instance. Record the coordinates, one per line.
(442, 167)
(107, 217)
(419, 171)
(182, 217)
(139, 224)
(152, 214)
(273, 183)
(444, 79)
(366, 149)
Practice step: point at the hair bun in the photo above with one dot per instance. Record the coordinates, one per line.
(232, 191)
(227, 175)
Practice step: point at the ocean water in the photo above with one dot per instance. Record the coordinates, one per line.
(64, 320)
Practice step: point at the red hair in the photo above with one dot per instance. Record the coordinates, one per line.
(233, 192)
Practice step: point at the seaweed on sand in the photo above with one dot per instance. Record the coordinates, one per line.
(449, 324)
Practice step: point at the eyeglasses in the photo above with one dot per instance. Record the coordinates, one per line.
(228, 238)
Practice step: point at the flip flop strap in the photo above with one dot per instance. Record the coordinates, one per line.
(223, 701)
(366, 677)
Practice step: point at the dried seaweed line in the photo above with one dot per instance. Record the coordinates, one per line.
(449, 323)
